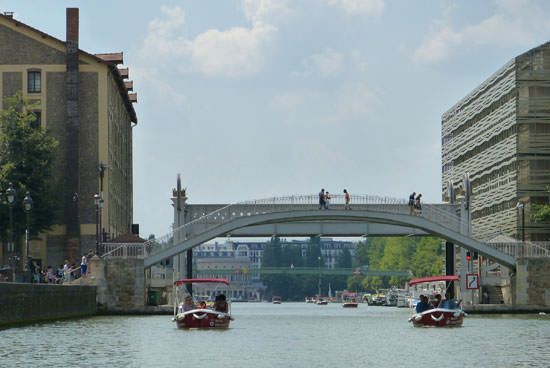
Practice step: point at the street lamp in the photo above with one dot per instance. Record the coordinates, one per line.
(521, 206)
(10, 195)
(97, 202)
(27, 205)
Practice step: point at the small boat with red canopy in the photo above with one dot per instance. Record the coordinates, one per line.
(446, 313)
(196, 312)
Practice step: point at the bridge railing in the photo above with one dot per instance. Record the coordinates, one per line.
(123, 250)
(201, 222)
(525, 249)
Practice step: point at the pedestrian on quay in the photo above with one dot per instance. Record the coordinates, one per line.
(66, 271)
(322, 199)
(411, 203)
(84, 266)
(346, 200)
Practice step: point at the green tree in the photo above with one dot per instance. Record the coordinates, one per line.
(541, 212)
(27, 153)
(423, 256)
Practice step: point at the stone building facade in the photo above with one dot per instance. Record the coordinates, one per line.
(85, 102)
(499, 136)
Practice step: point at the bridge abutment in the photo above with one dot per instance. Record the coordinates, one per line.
(120, 284)
(531, 282)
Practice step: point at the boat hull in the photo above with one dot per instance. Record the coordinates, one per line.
(438, 317)
(349, 305)
(203, 319)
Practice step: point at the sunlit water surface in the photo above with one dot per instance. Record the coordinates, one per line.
(286, 335)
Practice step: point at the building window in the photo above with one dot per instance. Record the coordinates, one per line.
(34, 84)
(38, 121)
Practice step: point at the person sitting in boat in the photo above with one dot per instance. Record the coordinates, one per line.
(220, 303)
(202, 305)
(423, 304)
(449, 302)
(187, 304)
(437, 302)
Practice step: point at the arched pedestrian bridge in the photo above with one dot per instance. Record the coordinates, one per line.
(300, 215)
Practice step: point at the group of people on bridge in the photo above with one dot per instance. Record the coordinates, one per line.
(415, 205)
(324, 200)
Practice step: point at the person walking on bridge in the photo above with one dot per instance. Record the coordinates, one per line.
(418, 204)
(411, 203)
(347, 200)
(322, 199)
(327, 200)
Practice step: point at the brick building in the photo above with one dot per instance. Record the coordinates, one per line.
(85, 101)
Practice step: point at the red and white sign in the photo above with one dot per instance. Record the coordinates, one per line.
(472, 281)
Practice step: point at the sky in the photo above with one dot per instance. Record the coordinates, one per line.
(251, 99)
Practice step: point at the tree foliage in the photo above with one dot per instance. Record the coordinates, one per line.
(541, 213)
(423, 256)
(26, 156)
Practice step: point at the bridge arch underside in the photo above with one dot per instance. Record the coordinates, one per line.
(328, 223)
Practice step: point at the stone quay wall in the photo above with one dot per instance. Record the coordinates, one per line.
(29, 303)
(532, 281)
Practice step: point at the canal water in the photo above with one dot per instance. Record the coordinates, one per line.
(298, 335)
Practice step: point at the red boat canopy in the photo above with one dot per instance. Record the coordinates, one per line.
(433, 279)
(199, 281)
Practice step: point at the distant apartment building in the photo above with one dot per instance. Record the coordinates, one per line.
(499, 135)
(85, 101)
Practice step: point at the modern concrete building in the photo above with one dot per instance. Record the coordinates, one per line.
(86, 102)
(499, 135)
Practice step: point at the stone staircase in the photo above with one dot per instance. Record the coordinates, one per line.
(495, 294)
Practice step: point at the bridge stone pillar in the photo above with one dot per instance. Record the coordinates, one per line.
(179, 200)
(532, 282)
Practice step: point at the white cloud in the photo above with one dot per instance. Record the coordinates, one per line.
(353, 7)
(349, 102)
(513, 23)
(438, 46)
(259, 11)
(327, 63)
(232, 52)
(152, 78)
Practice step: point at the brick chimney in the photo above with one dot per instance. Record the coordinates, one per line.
(72, 146)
